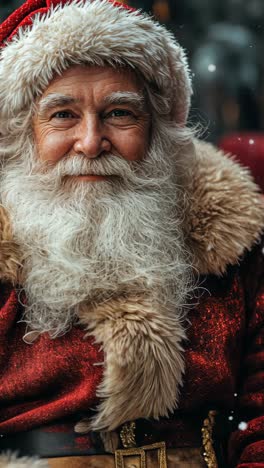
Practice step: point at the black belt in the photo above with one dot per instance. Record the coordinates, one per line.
(62, 441)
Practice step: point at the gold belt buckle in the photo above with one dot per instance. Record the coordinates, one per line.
(155, 453)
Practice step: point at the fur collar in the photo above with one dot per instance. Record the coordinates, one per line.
(225, 216)
(143, 351)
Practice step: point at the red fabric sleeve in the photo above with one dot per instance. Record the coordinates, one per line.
(246, 447)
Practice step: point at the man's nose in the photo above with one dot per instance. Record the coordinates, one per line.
(90, 139)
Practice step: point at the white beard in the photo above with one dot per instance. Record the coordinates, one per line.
(85, 242)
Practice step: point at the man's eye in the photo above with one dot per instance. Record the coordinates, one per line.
(120, 113)
(63, 115)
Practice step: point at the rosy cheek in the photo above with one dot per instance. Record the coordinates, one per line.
(131, 147)
(53, 146)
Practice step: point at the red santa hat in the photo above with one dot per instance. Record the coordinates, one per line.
(44, 37)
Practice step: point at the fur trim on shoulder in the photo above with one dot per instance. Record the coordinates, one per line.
(226, 211)
(9, 251)
(143, 361)
(10, 460)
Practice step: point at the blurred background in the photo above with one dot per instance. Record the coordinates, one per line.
(224, 40)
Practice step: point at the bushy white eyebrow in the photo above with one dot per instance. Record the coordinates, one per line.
(53, 100)
(127, 97)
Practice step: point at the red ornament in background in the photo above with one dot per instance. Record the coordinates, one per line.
(249, 149)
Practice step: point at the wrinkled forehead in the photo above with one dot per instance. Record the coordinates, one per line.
(121, 76)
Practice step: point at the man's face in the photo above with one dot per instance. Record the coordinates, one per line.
(94, 209)
(92, 111)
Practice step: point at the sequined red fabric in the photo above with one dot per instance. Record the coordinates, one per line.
(52, 379)
(46, 381)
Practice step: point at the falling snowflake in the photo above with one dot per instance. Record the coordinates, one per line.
(242, 426)
(211, 68)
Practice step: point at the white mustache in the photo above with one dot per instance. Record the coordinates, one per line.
(77, 165)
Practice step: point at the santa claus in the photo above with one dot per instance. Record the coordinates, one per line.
(131, 255)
